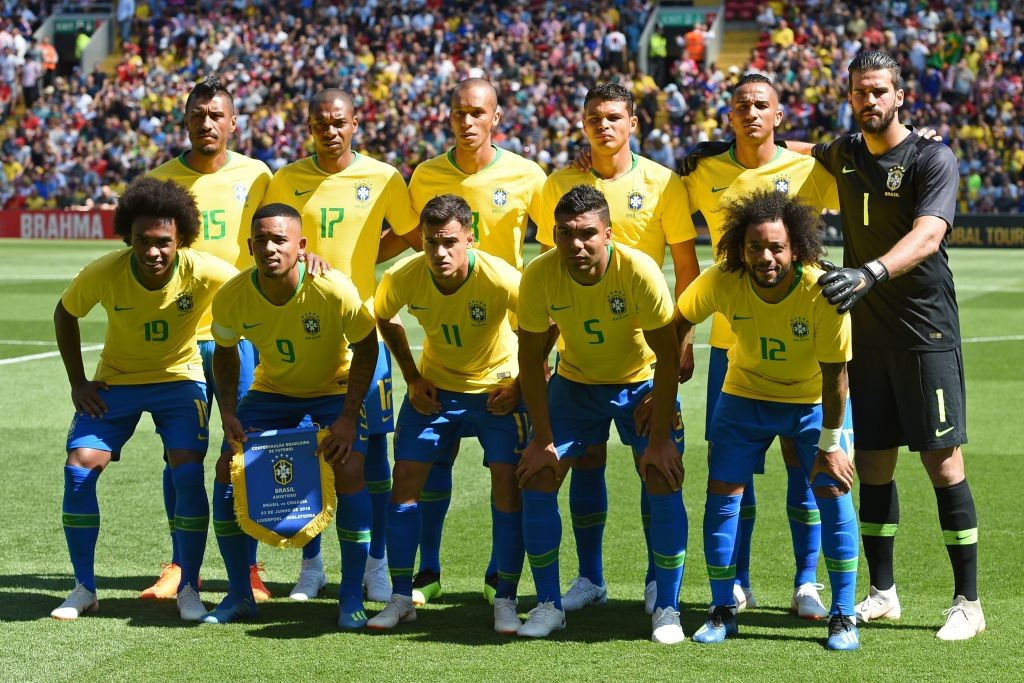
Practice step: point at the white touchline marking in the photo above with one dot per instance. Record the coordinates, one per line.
(48, 354)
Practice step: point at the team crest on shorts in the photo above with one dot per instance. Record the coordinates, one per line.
(895, 178)
(617, 305)
(283, 471)
(499, 197)
(363, 193)
(184, 302)
(782, 184)
(800, 328)
(311, 324)
(241, 193)
(477, 312)
(635, 200)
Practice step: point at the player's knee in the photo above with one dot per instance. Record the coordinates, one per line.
(504, 488)
(544, 481)
(875, 467)
(348, 476)
(179, 456)
(724, 488)
(594, 457)
(789, 454)
(827, 491)
(407, 481)
(657, 484)
(945, 467)
(88, 458)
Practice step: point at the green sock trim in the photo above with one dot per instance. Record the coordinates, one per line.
(588, 521)
(170, 524)
(192, 523)
(960, 536)
(77, 521)
(802, 516)
(353, 536)
(748, 512)
(544, 559)
(671, 561)
(383, 486)
(511, 578)
(721, 573)
(400, 571)
(876, 529)
(226, 527)
(435, 496)
(834, 565)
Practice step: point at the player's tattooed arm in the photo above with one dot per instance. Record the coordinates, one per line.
(84, 393)
(833, 462)
(422, 392)
(226, 369)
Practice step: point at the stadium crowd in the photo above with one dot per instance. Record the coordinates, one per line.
(74, 142)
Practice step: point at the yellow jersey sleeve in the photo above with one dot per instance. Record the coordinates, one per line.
(151, 335)
(303, 344)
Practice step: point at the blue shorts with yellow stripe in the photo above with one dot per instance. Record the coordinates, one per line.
(379, 404)
(259, 411)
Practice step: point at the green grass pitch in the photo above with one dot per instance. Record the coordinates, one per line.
(130, 639)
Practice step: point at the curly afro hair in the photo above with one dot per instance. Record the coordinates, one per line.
(763, 206)
(148, 196)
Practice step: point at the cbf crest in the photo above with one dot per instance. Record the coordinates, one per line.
(782, 184)
(617, 305)
(499, 197)
(283, 471)
(311, 324)
(800, 328)
(635, 201)
(184, 302)
(241, 193)
(363, 193)
(477, 312)
(895, 178)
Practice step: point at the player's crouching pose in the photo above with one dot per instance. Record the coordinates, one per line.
(786, 378)
(618, 349)
(303, 329)
(154, 293)
(466, 384)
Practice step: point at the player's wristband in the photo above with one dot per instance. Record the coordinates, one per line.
(877, 270)
(829, 439)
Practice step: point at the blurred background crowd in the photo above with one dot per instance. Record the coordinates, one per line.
(70, 139)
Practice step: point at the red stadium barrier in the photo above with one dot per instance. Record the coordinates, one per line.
(57, 225)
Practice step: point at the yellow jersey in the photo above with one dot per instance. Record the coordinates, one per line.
(151, 335)
(721, 179)
(343, 213)
(468, 343)
(501, 196)
(303, 344)
(227, 200)
(648, 206)
(778, 346)
(601, 325)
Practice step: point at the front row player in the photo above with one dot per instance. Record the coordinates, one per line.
(618, 349)
(466, 383)
(786, 378)
(303, 329)
(154, 293)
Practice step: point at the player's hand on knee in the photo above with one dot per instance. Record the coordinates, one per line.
(663, 457)
(534, 460)
(86, 398)
(504, 399)
(835, 464)
(336, 447)
(844, 286)
(423, 396)
(708, 148)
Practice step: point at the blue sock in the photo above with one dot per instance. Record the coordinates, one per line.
(191, 520)
(721, 517)
(232, 541)
(804, 526)
(841, 551)
(311, 549)
(507, 544)
(169, 504)
(253, 545)
(744, 533)
(355, 515)
(81, 518)
(377, 471)
(542, 534)
(668, 544)
(434, 501)
(492, 563)
(645, 521)
(588, 503)
(403, 536)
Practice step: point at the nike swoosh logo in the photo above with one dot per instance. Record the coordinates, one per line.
(560, 308)
(848, 170)
(299, 194)
(719, 189)
(122, 308)
(743, 317)
(248, 326)
(413, 307)
(962, 537)
(945, 431)
(680, 439)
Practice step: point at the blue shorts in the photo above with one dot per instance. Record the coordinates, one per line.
(248, 358)
(743, 428)
(179, 411)
(378, 404)
(718, 364)
(431, 438)
(261, 410)
(581, 415)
